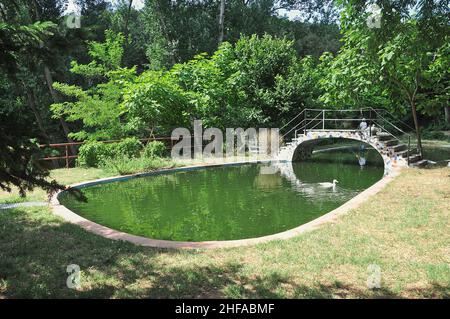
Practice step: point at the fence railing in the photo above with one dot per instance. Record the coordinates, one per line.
(68, 154)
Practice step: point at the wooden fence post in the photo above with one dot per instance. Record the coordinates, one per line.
(67, 156)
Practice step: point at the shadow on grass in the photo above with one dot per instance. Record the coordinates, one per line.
(36, 247)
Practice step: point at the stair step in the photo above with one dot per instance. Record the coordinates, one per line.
(419, 163)
(414, 158)
(404, 153)
(398, 147)
(382, 136)
(391, 142)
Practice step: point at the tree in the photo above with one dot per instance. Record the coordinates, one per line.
(436, 94)
(176, 31)
(386, 66)
(221, 20)
(19, 152)
(99, 107)
(258, 81)
(155, 103)
(261, 63)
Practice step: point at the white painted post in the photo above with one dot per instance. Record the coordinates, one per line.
(323, 119)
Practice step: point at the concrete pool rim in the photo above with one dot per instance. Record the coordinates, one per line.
(109, 233)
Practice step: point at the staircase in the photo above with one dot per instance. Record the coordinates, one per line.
(394, 146)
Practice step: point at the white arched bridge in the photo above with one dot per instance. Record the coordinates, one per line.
(369, 126)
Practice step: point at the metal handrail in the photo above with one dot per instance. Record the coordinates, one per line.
(346, 110)
(393, 125)
(292, 119)
(304, 127)
(322, 112)
(293, 128)
(404, 123)
(380, 120)
(409, 149)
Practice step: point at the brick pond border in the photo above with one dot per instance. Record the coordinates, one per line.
(109, 233)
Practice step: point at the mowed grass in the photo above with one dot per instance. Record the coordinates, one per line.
(404, 230)
(63, 176)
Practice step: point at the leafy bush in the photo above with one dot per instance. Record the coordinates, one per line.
(130, 147)
(435, 135)
(89, 154)
(93, 154)
(123, 165)
(154, 149)
(156, 102)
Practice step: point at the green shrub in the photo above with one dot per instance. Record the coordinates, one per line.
(435, 135)
(94, 154)
(154, 149)
(122, 165)
(90, 154)
(130, 147)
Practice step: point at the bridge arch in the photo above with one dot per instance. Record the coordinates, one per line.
(302, 145)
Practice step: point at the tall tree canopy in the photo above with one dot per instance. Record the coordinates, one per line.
(19, 160)
(390, 65)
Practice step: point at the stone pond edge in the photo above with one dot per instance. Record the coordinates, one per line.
(109, 233)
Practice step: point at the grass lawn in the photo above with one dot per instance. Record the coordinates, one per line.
(63, 176)
(404, 230)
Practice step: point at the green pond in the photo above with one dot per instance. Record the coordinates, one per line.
(227, 202)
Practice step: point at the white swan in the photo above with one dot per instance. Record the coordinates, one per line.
(329, 185)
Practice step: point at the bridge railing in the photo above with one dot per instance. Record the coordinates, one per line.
(349, 119)
(401, 131)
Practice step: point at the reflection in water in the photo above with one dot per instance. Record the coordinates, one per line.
(313, 191)
(222, 203)
(305, 177)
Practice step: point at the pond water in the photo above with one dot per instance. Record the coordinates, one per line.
(227, 202)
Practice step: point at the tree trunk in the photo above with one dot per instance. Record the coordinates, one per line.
(163, 27)
(31, 99)
(49, 80)
(221, 20)
(416, 125)
(127, 18)
(447, 114)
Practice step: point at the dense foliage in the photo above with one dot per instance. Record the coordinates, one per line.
(19, 159)
(94, 153)
(395, 65)
(154, 149)
(258, 81)
(140, 73)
